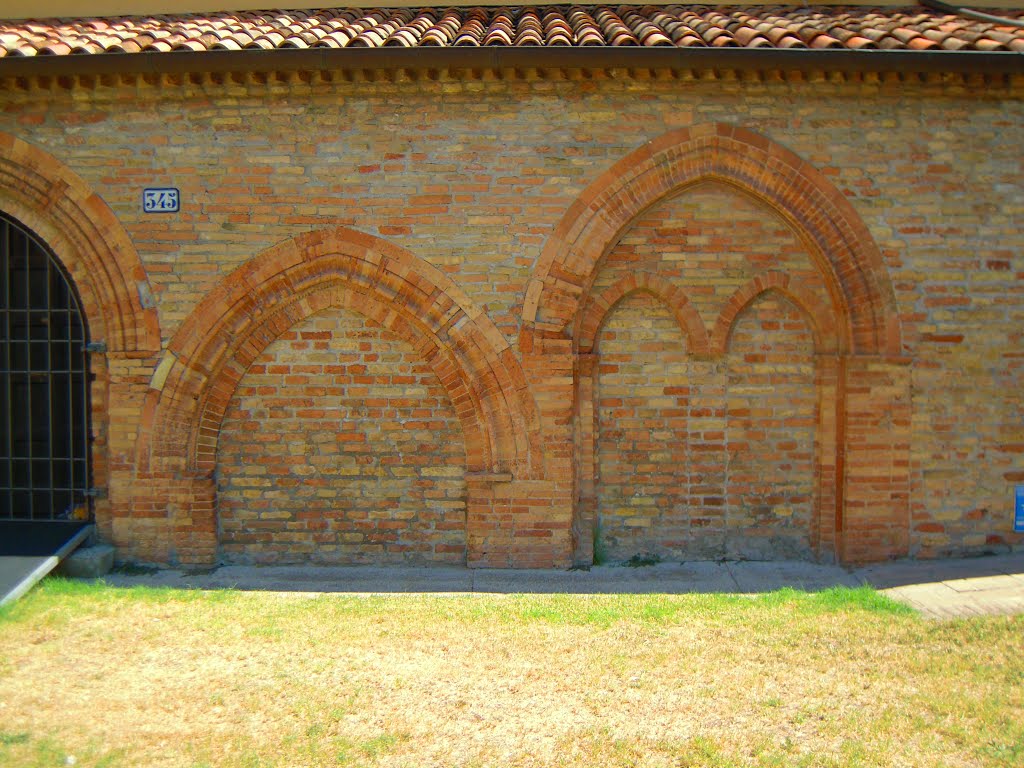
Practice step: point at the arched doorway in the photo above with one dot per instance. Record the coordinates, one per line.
(44, 388)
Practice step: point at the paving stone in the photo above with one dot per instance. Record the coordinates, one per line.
(979, 584)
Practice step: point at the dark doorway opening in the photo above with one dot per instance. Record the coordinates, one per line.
(44, 391)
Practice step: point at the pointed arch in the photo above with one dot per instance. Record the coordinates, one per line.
(816, 210)
(820, 317)
(251, 307)
(343, 268)
(599, 307)
(774, 455)
(57, 204)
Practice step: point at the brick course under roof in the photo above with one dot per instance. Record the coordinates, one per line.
(680, 26)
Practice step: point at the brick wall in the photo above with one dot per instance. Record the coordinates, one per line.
(648, 500)
(706, 455)
(771, 433)
(852, 186)
(341, 446)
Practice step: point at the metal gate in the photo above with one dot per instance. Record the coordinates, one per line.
(44, 390)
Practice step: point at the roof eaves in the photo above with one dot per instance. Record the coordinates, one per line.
(499, 58)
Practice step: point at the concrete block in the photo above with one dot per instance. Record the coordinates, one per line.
(88, 562)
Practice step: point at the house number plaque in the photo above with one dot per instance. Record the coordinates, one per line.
(161, 200)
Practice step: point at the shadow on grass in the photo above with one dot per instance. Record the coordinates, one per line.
(57, 600)
(699, 577)
(601, 609)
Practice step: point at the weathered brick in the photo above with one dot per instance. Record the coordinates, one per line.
(771, 217)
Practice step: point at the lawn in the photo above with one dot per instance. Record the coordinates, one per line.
(91, 675)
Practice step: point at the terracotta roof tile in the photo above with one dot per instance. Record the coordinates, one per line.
(680, 26)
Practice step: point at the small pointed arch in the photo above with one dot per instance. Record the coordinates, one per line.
(820, 317)
(343, 268)
(85, 235)
(814, 208)
(599, 308)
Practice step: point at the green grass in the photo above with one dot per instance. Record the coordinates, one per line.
(843, 677)
(55, 592)
(23, 749)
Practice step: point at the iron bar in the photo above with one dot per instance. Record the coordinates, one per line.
(44, 427)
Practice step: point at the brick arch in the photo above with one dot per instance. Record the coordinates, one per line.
(599, 307)
(339, 268)
(266, 296)
(59, 206)
(821, 318)
(817, 211)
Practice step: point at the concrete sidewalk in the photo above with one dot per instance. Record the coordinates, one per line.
(953, 588)
(937, 588)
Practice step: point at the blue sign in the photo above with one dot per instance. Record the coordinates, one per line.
(1018, 511)
(161, 200)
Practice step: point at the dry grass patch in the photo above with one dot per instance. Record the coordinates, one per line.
(137, 677)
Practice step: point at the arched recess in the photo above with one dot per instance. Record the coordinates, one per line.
(859, 369)
(641, 479)
(820, 317)
(272, 292)
(711, 356)
(597, 309)
(817, 319)
(816, 210)
(98, 255)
